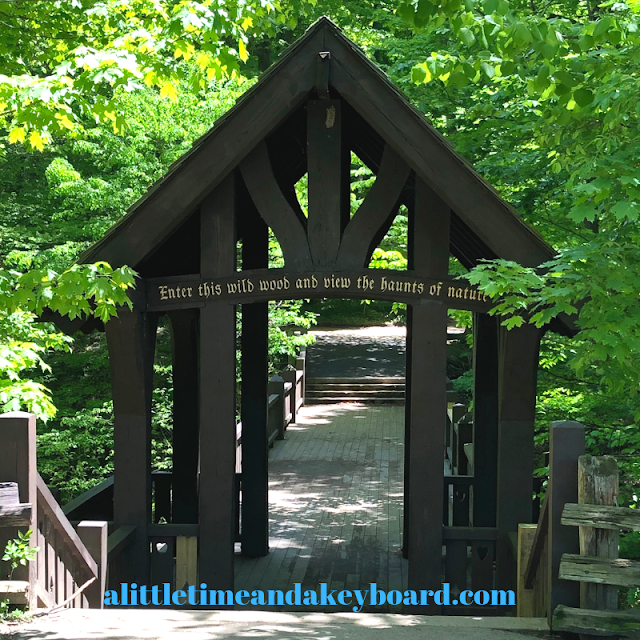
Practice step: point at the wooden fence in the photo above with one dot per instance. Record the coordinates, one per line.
(568, 565)
(470, 550)
(174, 545)
(67, 557)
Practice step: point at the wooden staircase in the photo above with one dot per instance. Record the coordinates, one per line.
(369, 390)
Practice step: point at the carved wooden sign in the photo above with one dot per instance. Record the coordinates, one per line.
(275, 284)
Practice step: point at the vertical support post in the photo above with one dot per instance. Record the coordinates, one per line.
(301, 365)
(407, 431)
(217, 394)
(131, 341)
(519, 349)
(254, 409)
(328, 198)
(93, 534)
(186, 561)
(485, 419)
(598, 484)
(18, 464)
(428, 396)
(186, 415)
(566, 445)
(525, 601)
(276, 385)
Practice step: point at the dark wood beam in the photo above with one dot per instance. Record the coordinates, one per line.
(254, 400)
(275, 209)
(186, 415)
(428, 397)
(326, 176)
(485, 419)
(217, 496)
(431, 156)
(519, 351)
(131, 339)
(182, 292)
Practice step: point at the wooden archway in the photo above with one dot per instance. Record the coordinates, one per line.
(322, 102)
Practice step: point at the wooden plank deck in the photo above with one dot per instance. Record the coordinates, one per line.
(335, 504)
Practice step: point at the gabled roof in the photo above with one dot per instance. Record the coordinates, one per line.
(483, 225)
(266, 105)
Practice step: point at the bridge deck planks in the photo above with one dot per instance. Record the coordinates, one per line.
(335, 511)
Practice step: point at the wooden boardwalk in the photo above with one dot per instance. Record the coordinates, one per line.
(335, 500)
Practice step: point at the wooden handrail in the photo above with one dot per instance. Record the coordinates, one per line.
(119, 540)
(84, 497)
(470, 534)
(168, 530)
(52, 509)
(465, 481)
(538, 544)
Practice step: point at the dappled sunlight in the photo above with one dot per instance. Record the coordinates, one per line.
(355, 353)
(335, 503)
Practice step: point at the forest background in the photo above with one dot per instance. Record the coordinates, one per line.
(99, 97)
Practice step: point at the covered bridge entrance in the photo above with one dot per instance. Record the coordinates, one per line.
(199, 240)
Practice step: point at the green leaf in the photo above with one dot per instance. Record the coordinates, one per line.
(503, 7)
(488, 69)
(623, 210)
(602, 26)
(418, 74)
(425, 10)
(583, 212)
(583, 97)
(521, 34)
(466, 35)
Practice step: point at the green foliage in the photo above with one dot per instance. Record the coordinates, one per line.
(17, 552)
(543, 99)
(69, 63)
(12, 614)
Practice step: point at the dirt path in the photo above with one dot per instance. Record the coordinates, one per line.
(358, 352)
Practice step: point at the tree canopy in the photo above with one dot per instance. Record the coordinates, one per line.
(98, 97)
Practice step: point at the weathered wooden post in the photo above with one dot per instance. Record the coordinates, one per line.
(94, 534)
(217, 491)
(131, 339)
(18, 464)
(485, 419)
(598, 484)
(184, 485)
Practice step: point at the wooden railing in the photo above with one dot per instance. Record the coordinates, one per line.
(540, 547)
(571, 575)
(63, 561)
(117, 542)
(70, 564)
(598, 568)
(174, 546)
(470, 551)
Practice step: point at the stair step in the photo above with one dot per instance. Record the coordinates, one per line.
(370, 387)
(363, 379)
(336, 393)
(369, 400)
